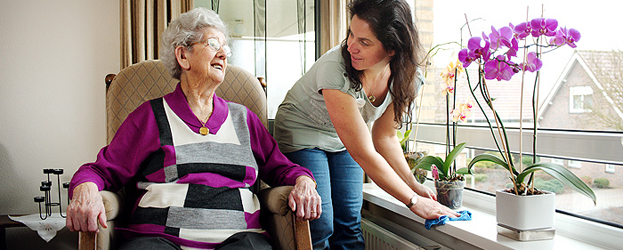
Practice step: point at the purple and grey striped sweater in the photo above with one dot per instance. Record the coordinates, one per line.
(192, 189)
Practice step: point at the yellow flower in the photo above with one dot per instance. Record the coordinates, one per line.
(449, 74)
(462, 111)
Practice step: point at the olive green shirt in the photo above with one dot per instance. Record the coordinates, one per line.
(302, 120)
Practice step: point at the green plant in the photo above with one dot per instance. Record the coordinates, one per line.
(601, 182)
(551, 185)
(527, 160)
(483, 165)
(420, 175)
(413, 158)
(493, 55)
(477, 177)
(443, 169)
(404, 138)
(587, 179)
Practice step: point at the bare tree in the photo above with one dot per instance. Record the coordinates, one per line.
(607, 107)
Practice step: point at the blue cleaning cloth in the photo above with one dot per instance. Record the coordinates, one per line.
(465, 215)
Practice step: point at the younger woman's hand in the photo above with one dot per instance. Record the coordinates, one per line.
(424, 191)
(430, 209)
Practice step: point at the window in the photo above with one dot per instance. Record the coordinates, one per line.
(558, 161)
(568, 90)
(284, 38)
(575, 164)
(610, 168)
(580, 99)
(274, 39)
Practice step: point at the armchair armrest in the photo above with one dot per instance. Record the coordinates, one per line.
(281, 222)
(112, 204)
(277, 219)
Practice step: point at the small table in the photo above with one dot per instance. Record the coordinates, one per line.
(5, 222)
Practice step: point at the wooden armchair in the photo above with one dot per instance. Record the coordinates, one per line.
(150, 79)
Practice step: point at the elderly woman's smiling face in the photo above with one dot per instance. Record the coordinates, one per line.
(205, 61)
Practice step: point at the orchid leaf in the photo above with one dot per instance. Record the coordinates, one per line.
(464, 171)
(429, 160)
(403, 138)
(563, 175)
(407, 134)
(491, 158)
(452, 155)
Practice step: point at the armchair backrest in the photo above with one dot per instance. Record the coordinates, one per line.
(150, 79)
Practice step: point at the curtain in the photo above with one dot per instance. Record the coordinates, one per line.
(333, 23)
(142, 24)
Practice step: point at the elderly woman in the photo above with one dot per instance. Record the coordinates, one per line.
(190, 157)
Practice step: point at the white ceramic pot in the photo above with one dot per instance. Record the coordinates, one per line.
(532, 212)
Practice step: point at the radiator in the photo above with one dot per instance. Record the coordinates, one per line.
(378, 238)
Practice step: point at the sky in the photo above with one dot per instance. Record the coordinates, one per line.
(599, 22)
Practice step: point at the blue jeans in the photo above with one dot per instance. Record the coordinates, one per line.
(340, 184)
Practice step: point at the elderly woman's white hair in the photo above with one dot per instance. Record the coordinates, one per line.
(183, 31)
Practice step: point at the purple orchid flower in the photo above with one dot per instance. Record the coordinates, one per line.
(474, 46)
(533, 63)
(474, 51)
(541, 26)
(522, 30)
(498, 69)
(464, 57)
(512, 50)
(501, 37)
(564, 36)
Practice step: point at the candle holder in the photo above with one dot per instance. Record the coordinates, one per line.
(46, 188)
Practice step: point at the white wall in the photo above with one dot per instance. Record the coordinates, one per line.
(53, 59)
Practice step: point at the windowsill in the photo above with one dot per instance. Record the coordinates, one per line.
(481, 231)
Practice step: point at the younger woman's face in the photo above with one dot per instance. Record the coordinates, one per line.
(366, 51)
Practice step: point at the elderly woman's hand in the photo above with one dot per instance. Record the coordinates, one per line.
(304, 199)
(86, 209)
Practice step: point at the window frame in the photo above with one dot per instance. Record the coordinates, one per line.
(582, 92)
(558, 161)
(575, 164)
(610, 169)
(606, 146)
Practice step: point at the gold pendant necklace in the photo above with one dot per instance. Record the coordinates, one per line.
(372, 98)
(203, 130)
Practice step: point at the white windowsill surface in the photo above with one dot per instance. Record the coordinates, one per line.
(481, 231)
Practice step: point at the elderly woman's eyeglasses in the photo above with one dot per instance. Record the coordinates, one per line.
(215, 45)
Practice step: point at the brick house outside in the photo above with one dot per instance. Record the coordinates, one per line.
(585, 97)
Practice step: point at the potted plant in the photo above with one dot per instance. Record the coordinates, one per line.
(494, 55)
(449, 181)
(412, 157)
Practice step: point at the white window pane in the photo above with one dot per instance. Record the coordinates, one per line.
(610, 168)
(575, 164)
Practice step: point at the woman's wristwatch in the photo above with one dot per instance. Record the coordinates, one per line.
(412, 201)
